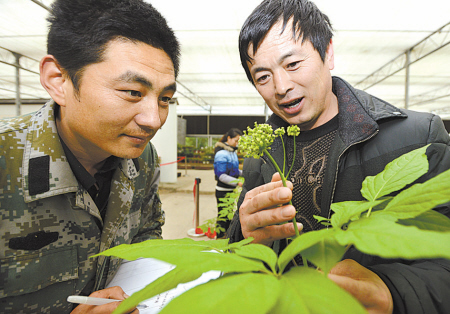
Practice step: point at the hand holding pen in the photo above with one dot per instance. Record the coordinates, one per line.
(101, 302)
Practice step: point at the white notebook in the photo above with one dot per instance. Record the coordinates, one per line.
(132, 276)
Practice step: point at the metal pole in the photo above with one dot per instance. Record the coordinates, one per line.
(193, 231)
(185, 165)
(18, 102)
(407, 65)
(197, 202)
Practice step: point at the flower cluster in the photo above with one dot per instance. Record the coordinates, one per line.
(293, 130)
(254, 141)
(279, 132)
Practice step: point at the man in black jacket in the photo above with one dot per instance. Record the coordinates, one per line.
(346, 134)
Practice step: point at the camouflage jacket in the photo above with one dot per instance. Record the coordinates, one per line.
(49, 222)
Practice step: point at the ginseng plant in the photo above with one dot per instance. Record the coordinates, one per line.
(256, 142)
(257, 280)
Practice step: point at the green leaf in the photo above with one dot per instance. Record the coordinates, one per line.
(421, 197)
(305, 287)
(320, 218)
(387, 239)
(429, 220)
(239, 244)
(396, 175)
(158, 247)
(184, 252)
(350, 210)
(245, 293)
(301, 243)
(259, 252)
(325, 254)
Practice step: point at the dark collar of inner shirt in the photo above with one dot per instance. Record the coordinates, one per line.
(82, 175)
(319, 131)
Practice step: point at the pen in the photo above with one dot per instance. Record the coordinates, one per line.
(96, 301)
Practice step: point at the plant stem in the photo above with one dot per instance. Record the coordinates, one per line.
(284, 152)
(293, 160)
(283, 179)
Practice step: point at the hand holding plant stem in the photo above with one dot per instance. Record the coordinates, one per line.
(256, 142)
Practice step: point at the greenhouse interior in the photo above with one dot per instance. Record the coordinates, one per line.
(392, 52)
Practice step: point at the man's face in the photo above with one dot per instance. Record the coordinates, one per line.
(293, 79)
(122, 102)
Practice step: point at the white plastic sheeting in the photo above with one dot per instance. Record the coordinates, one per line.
(368, 36)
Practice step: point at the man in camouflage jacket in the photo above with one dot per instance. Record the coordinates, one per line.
(80, 175)
(51, 220)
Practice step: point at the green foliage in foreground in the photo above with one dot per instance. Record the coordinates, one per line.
(255, 280)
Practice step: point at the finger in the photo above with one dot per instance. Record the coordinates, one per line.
(267, 199)
(268, 217)
(115, 292)
(270, 234)
(350, 285)
(95, 309)
(277, 177)
(348, 268)
(267, 187)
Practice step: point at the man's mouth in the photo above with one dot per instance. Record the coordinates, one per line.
(141, 137)
(292, 104)
(138, 138)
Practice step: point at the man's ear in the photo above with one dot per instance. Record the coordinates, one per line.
(329, 57)
(53, 79)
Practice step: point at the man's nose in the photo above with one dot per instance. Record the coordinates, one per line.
(149, 115)
(282, 82)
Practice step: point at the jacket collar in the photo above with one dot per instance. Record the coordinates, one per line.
(224, 146)
(46, 171)
(360, 112)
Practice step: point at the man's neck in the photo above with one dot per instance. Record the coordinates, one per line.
(329, 113)
(91, 165)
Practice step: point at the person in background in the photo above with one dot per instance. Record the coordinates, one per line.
(80, 175)
(226, 169)
(346, 134)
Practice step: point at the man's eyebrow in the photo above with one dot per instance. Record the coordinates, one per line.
(171, 87)
(285, 56)
(259, 69)
(280, 60)
(132, 77)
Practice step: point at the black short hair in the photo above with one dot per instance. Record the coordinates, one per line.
(308, 22)
(232, 133)
(81, 29)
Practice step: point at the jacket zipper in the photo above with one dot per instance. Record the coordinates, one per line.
(337, 168)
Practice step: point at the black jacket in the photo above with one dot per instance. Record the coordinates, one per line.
(371, 134)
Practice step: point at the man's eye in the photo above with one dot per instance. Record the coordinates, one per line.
(293, 64)
(133, 93)
(262, 79)
(165, 99)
